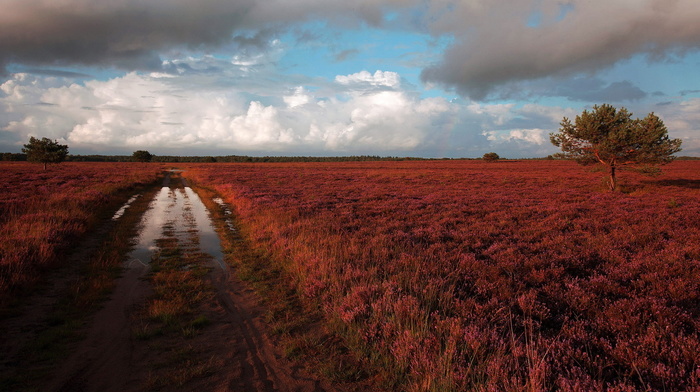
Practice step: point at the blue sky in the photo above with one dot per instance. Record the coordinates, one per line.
(431, 78)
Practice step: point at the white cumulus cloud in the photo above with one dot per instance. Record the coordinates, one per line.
(379, 78)
(146, 111)
(297, 98)
(534, 136)
(194, 113)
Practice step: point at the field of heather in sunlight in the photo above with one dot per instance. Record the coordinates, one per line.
(43, 213)
(466, 275)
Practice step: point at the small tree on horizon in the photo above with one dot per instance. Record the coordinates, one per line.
(45, 151)
(611, 137)
(142, 156)
(491, 157)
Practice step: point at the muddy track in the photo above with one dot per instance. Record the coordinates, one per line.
(235, 345)
(254, 363)
(42, 313)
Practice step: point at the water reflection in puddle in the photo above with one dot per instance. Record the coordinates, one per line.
(123, 208)
(208, 239)
(227, 212)
(180, 213)
(151, 228)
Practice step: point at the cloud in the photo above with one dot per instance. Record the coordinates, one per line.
(364, 78)
(341, 12)
(689, 92)
(297, 98)
(118, 33)
(495, 46)
(683, 121)
(531, 136)
(132, 35)
(169, 112)
(245, 107)
(594, 90)
(584, 89)
(510, 130)
(260, 126)
(520, 143)
(375, 121)
(494, 43)
(345, 54)
(58, 73)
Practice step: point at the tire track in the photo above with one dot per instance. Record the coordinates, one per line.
(111, 359)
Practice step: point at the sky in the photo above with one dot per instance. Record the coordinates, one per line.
(419, 78)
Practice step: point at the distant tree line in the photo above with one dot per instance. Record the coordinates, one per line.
(9, 156)
(206, 159)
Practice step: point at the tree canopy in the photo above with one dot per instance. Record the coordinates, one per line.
(491, 157)
(611, 137)
(142, 156)
(45, 151)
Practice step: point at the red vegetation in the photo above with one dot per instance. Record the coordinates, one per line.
(43, 213)
(463, 275)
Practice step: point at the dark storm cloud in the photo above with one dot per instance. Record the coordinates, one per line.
(593, 90)
(121, 33)
(494, 45)
(583, 89)
(57, 72)
(131, 34)
(257, 40)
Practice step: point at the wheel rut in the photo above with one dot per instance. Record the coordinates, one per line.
(233, 352)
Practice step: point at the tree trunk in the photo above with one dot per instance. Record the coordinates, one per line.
(613, 181)
(44, 165)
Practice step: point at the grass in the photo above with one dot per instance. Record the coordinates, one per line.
(44, 214)
(468, 276)
(300, 328)
(177, 277)
(83, 295)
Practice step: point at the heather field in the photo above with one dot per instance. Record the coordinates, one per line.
(44, 212)
(466, 275)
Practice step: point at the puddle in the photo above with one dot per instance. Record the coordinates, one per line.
(123, 208)
(208, 238)
(182, 214)
(151, 228)
(227, 211)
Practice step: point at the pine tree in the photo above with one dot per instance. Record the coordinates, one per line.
(611, 137)
(45, 151)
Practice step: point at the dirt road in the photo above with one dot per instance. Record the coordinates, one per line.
(233, 352)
